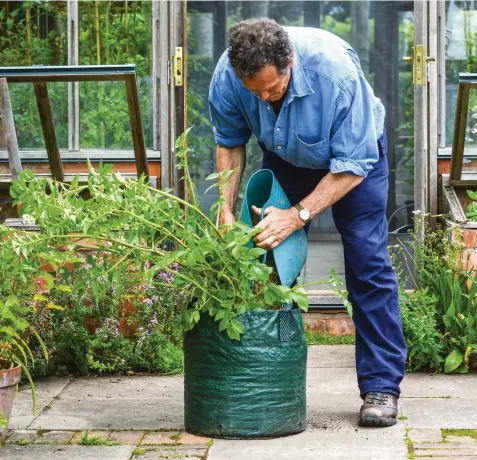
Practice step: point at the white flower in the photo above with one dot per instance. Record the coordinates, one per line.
(28, 219)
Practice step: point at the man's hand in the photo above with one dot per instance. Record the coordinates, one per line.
(277, 225)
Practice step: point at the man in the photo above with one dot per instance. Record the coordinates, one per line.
(302, 92)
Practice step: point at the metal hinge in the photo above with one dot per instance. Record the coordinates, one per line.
(419, 61)
(178, 66)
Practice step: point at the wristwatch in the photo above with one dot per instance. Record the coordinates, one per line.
(303, 213)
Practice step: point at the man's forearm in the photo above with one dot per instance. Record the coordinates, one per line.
(232, 159)
(331, 188)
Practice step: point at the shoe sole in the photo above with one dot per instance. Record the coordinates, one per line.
(377, 422)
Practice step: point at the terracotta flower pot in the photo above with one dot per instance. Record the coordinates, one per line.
(128, 329)
(91, 323)
(9, 379)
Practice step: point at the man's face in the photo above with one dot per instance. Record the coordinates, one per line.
(269, 84)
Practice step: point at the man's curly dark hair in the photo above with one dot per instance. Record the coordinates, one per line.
(255, 43)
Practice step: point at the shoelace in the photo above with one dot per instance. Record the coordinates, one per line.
(376, 398)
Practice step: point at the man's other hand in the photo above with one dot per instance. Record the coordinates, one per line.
(277, 225)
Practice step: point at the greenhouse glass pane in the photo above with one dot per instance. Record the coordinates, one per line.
(124, 36)
(460, 52)
(35, 34)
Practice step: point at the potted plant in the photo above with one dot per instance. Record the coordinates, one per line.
(228, 293)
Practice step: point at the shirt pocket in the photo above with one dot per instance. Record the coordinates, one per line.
(313, 156)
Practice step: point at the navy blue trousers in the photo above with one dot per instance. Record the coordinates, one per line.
(360, 217)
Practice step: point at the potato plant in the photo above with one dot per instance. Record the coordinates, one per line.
(133, 223)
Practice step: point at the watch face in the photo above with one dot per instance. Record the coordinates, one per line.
(304, 214)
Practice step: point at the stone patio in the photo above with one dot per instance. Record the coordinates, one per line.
(141, 417)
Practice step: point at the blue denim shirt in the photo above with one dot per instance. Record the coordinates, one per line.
(330, 117)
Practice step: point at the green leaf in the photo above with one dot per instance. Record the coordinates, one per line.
(49, 280)
(301, 300)
(223, 324)
(53, 306)
(472, 195)
(237, 325)
(256, 252)
(220, 315)
(453, 361)
(212, 176)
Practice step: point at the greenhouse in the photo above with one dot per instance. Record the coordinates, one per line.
(182, 277)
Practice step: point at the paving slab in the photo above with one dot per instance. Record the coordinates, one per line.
(53, 452)
(425, 435)
(331, 381)
(113, 414)
(127, 437)
(429, 453)
(22, 436)
(381, 444)
(129, 387)
(160, 437)
(46, 390)
(424, 385)
(440, 413)
(173, 452)
(331, 356)
(55, 437)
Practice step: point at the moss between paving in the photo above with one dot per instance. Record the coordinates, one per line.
(459, 432)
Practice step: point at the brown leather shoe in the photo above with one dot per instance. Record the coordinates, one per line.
(378, 409)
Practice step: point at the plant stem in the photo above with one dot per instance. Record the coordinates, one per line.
(315, 283)
(187, 173)
(152, 224)
(117, 264)
(191, 206)
(191, 281)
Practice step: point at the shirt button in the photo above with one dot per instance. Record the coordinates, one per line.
(279, 148)
(268, 107)
(278, 129)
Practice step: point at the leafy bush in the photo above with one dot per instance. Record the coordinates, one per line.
(440, 316)
(424, 350)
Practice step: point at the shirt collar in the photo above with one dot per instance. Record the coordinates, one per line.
(301, 87)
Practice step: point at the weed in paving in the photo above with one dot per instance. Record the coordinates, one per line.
(459, 432)
(87, 440)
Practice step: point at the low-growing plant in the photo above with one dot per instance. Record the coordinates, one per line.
(423, 339)
(440, 316)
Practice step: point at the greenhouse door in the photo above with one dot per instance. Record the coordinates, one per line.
(170, 112)
(425, 83)
(382, 33)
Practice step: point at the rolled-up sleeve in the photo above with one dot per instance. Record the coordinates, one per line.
(229, 125)
(353, 142)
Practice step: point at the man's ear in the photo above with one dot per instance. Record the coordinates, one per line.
(292, 62)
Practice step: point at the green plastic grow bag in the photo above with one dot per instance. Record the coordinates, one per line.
(252, 389)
